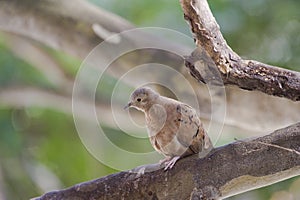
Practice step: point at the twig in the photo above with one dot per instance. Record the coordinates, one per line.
(280, 147)
(272, 145)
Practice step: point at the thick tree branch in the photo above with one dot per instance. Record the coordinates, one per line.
(68, 27)
(226, 171)
(246, 74)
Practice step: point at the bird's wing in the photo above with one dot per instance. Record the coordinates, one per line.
(191, 133)
(188, 125)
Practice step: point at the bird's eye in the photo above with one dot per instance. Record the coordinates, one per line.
(139, 99)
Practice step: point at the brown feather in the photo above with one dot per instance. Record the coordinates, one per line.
(174, 128)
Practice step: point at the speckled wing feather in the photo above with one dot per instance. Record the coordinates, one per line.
(175, 129)
(191, 133)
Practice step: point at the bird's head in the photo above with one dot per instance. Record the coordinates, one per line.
(142, 98)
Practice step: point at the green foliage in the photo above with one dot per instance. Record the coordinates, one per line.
(14, 71)
(61, 149)
(262, 30)
(69, 64)
(132, 144)
(163, 13)
(10, 140)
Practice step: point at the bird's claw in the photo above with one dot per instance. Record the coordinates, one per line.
(164, 160)
(171, 162)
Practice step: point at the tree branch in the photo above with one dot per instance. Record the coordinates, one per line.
(226, 171)
(246, 74)
(56, 24)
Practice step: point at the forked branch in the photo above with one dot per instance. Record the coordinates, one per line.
(246, 74)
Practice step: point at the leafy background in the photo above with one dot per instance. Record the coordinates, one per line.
(40, 149)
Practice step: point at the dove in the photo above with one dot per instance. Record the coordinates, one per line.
(173, 127)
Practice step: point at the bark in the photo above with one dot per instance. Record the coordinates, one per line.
(226, 171)
(246, 74)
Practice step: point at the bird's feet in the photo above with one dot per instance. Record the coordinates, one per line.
(169, 162)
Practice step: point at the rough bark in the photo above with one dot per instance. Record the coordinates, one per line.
(69, 28)
(246, 74)
(226, 171)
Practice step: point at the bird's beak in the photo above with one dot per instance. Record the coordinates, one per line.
(127, 106)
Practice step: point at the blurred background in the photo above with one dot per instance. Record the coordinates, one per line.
(40, 149)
